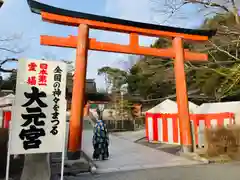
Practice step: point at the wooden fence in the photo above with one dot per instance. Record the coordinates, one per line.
(115, 125)
(124, 125)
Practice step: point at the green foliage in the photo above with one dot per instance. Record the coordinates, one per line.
(226, 19)
(149, 79)
(113, 76)
(219, 79)
(10, 82)
(222, 80)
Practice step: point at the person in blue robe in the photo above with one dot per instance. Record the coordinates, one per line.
(100, 141)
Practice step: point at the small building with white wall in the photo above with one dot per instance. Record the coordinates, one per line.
(169, 106)
(220, 107)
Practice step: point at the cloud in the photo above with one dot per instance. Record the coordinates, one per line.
(134, 10)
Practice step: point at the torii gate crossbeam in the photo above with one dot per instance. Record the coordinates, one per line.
(83, 43)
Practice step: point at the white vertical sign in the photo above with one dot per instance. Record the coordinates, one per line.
(39, 113)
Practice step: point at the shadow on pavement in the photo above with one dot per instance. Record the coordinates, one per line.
(168, 148)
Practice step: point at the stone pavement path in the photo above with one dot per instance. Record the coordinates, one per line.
(194, 172)
(131, 135)
(126, 155)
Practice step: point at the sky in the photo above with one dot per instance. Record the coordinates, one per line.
(16, 19)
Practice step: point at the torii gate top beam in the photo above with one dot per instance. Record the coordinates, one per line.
(73, 18)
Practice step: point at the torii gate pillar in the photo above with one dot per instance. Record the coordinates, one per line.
(77, 110)
(182, 97)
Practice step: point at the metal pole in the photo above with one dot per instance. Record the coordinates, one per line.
(122, 106)
(8, 154)
(77, 107)
(182, 97)
(63, 148)
(122, 110)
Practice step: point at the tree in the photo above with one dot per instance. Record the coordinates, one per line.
(208, 7)
(9, 45)
(9, 83)
(114, 78)
(153, 78)
(221, 74)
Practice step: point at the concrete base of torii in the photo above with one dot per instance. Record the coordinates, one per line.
(36, 167)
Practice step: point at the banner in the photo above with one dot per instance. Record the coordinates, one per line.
(39, 112)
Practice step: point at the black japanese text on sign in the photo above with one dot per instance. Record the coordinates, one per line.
(56, 93)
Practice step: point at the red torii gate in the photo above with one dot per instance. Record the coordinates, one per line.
(83, 43)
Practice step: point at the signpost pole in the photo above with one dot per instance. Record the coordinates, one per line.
(64, 145)
(63, 151)
(8, 155)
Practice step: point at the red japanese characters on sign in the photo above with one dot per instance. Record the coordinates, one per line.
(42, 76)
(32, 66)
(32, 80)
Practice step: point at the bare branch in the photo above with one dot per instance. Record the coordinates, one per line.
(11, 38)
(233, 3)
(12, 51)
(172, 13)
(224, 51)
(6, 61)
(171, 7)
(7, 44)
(207, 4)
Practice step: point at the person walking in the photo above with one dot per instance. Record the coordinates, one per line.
(100, 141)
